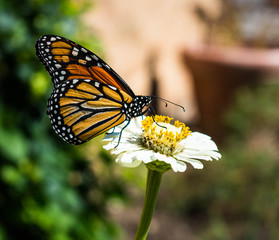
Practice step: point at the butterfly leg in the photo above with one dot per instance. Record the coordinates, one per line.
(109, 133)
(120, 134)
(152, 109)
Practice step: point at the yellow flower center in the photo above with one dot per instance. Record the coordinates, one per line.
(161, 136)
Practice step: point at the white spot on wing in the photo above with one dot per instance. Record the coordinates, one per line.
(75, 81)
(75, 53)
(84, 50)
(112, 87)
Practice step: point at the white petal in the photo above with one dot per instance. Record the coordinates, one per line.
(216, 155)
(179, 166)
(127, 160)
(199, 141)
(123, 147)
(146, 156)
(176, 165)
(195, 163)
(195, 154)
(161, 157)
(109, 146)
(199, 146)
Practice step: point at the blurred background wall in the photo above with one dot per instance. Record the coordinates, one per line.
(144, 40)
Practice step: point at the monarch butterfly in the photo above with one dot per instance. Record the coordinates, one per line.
(89, 97)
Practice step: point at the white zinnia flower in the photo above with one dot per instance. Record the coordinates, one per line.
(157, 143)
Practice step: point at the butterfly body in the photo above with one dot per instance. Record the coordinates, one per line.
(88, 98)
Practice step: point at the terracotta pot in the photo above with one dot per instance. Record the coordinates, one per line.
(219, 72)
(274, 2)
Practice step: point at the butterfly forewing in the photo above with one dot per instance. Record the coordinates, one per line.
(66, 60)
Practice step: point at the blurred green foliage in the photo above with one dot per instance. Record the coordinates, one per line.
(48, 189)
(237, 197)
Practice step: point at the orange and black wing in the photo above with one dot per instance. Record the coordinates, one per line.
(66, 60)
(88, 98)
(80, 109)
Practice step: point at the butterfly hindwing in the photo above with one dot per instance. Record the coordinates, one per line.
(81, 109)
(66, 60)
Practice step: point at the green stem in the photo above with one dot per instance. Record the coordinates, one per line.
(150, 199)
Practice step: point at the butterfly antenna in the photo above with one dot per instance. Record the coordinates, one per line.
(151, 110)
(167, 101)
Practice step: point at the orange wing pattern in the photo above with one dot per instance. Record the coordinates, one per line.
(79, 112)
(67, 60)
(88, 98)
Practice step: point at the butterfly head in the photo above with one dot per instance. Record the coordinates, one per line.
(135, 108)
(143, 100)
